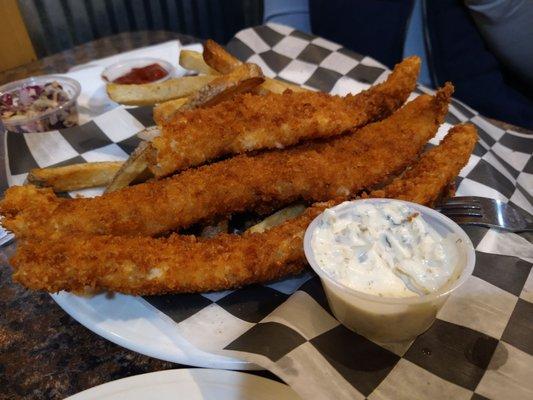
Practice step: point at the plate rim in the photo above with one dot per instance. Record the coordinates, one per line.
(175, 375)
(192, 357)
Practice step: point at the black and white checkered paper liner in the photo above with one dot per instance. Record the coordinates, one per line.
(482, 342)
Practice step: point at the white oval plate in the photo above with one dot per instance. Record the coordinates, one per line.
(131, 322)
(190, 384)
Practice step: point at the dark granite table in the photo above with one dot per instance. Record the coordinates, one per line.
(44, 353)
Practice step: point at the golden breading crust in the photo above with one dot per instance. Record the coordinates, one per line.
(186, 264)
(311, 172)
(435, 171)
(426, 180)
(251, 122)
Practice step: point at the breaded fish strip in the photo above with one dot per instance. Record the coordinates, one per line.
(251, 122)
(311, 172)
(424, 181)
(187, 264)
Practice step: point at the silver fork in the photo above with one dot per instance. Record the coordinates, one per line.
(492, 213)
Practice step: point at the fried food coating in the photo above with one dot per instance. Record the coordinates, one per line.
(339, 168)
(143, 265)
(272, 121)
(424, 182)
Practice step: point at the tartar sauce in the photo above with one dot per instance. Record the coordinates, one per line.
(384, 249)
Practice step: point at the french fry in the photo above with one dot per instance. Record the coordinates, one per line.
(75, 176)
(210, 231)
(152, 93)
(278, 218)
(220, 60)
(269, 222)
(148, 134)
(165, 111)
(276, 86)
(134, 167)
(242, 79)
(193, 60)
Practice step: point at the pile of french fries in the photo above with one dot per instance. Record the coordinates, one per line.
(220, 77)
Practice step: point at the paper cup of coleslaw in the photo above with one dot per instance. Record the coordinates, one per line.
(392, 319)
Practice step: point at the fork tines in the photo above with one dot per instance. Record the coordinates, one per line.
(462, 206)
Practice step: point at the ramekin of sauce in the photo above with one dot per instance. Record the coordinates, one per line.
(138, 71)
(387, 266)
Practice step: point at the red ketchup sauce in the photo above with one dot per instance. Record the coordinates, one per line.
(150, 73)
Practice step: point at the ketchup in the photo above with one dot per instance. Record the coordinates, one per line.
(150, 73)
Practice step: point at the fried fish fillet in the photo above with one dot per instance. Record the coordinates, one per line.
(144, 265)
(339, 168)
(424, 182)
(250, 122)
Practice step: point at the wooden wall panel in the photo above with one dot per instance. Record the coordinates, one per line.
(15, 45)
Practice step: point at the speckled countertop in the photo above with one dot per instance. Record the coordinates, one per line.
(44, 353)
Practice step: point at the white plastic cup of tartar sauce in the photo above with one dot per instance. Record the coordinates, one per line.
(392, 319)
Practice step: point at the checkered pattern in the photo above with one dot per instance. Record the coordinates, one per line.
(481, 345)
